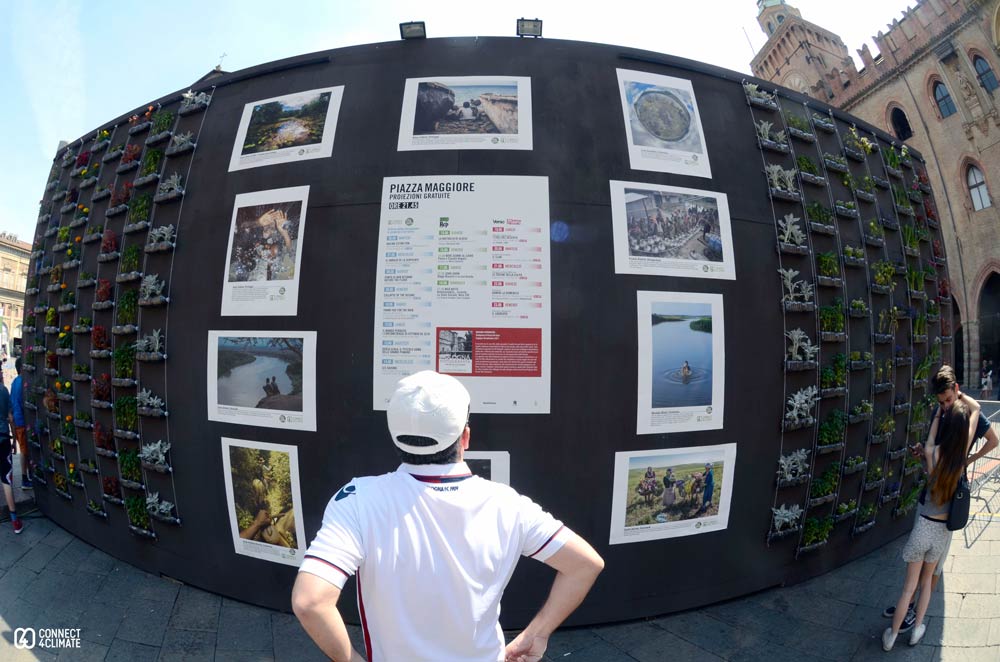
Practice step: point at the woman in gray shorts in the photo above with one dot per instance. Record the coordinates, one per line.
(945, 452)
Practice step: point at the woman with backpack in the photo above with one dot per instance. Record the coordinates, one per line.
(945, 453)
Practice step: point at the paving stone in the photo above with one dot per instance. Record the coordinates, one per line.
(958, 582)
(187, 646)
(129, 651)
(980, 606)
(243, 656)
(865, 620)
(145, 621)
(708, 633)
(195, 609)
(244, 628)
(958, 631)
(13, 584)
(37, 557)
(994, 639)
(87, 652)
(599, 652)
(70, 557)
(564, 642)
(100, 622)
(872, 651)
(292, 644)
(98, 562)
(975, 564)
(667, 646)
(946, 605)
(627, 635)
(775, 653)
(838, 644)
(977, 654)
(57, 537)
(10, 654)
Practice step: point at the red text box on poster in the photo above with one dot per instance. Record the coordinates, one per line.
(497, 353)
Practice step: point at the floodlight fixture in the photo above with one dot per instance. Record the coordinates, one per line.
(529, 27)
(413, 30)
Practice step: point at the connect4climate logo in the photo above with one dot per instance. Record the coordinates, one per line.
(28, 638)
(24, 638)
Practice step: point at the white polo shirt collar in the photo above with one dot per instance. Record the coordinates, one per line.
(456, 470)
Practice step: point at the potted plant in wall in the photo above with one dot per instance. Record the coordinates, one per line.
(846, 209)
(900, 404)
(759, 98)
(51, 364)
(93, 232)
(161, 239)
(801, 352)
(138, 214)
(919, 329)
(180, 143)
(119, 200)
(824, 488)
(90, 175)
(193, 102)
(858, 308)
(126, 313)
(161, 510)
(873, 478)
(861, 412)
(128, 269)
(154, 457)
(150, 405)
(799, 407)
(169, 190)
(799, 127)
(67, 301)
(808, 171)
(114, 153)
(163, 122)
(131, 470)
(96, 509)
(823, 122)
(100, 392)
(100, 346)
(892, 162)
(845, 510)
(854, 256)
(81, 372)
(815, 533)
(857, 146)
(785, 521)
(798, 294)
(73, 476)
(126, 417)
(81, 217)
(109, 247)
(130, 159)
(51, 321)
(80, 163)
(831, 432)
(102, 139)
(853, 465)
(59, 482)
(150, 170)
(833, 377)
(883, 278)
(828, 270)
(782, 183)
(831, 322)
(112, 490)
(151, 292)
(944, 291)
(64, 389)
(901, 201)
(56, 448)
(819, 218)
(865, 520)
(860, 360)
(29, 324)
(100, 193)
(773, 141)
(141, 122)
(64, 342)
(138, 517)
(835, 163)
(793, 468)
(124, 365)
(151, 348)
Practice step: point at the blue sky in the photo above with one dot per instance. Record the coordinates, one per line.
(67, 67)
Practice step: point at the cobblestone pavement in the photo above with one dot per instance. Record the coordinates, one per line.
(48, 578)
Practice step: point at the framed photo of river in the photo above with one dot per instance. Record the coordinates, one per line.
(265, 503)
(468, 112)
(263, 378)
(671, 231)
(681, 362)
(671, 492)
(662, 124)
(293, 127)
(264, 254)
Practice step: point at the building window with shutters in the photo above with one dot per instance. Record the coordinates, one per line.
(945, 104)
(985, 74)
(977, 188)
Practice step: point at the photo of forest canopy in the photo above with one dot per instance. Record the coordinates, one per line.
(262, 495)
(293, 121)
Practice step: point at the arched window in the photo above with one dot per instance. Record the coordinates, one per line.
(781, 19)
(984, 72)
(770, 27)
(945, 104)
(900, 125)
(977, 188)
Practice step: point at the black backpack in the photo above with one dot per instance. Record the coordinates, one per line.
(958, 511)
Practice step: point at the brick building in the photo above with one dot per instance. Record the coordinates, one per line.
(933, 84)
(14, 258)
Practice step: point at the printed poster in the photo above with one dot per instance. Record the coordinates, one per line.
(662, 124)
(467, 112)
(463, 288)
(671, 492)
(681, 362)
(264, 254)
(292, 127)
(491, 465)
(263, 378)
(671, 231)
(262, 491)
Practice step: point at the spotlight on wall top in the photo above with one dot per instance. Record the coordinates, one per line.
(529, 27)
(412, 30)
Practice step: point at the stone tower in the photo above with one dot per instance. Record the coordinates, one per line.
(797, 53)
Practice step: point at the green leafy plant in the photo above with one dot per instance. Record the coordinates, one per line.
(874, 473)
(816, 530)
(163, 121)
(135, 506)
(844, 508)
(839, 160)
(825, 484)
(875, 229)
(854, 461)
(817, 213)
(831, 430)
(798, 122)
(806, 165)
(885, 273)
(81, 369)
(827, 264)
(834, 375)
(866, 513)
(138, 208)
(854, 253)
(859, 306)
(126, 413)
(124, 361)
(151, 162)
(127, 307)
(130, 258)
(862, 408)
(831, 318)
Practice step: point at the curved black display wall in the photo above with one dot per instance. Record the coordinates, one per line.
(866, 240)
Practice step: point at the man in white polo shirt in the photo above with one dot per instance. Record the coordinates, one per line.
(433, 548)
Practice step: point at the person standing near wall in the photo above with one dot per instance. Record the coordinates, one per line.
(20, 428)
(6, 459)
(433, 547)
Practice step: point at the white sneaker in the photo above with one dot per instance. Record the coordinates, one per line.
(917, 634)
(888, 640)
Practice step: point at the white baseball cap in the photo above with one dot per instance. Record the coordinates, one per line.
(428, 404)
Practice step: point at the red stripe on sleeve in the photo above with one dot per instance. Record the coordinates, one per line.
(547, 541)
(332, 565)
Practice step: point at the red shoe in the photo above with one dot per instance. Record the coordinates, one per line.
(18, 526)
